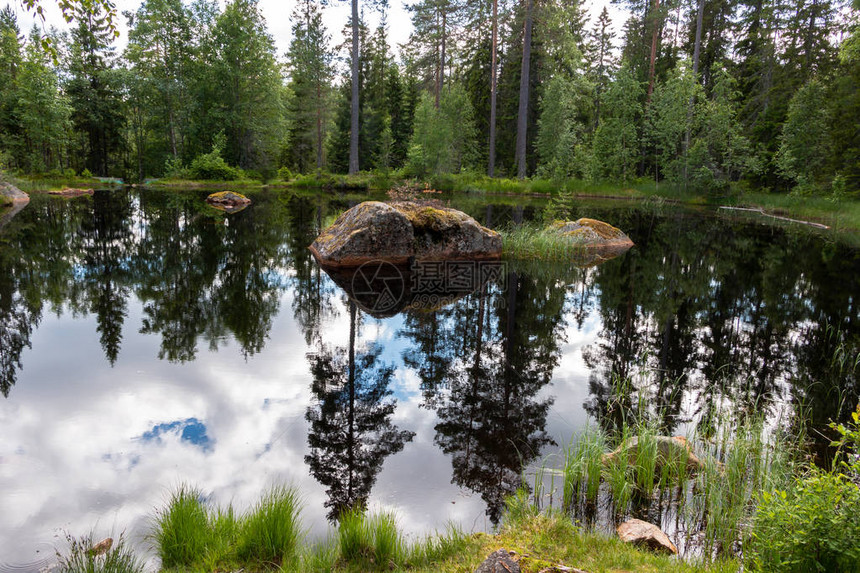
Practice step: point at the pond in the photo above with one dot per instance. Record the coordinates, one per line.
(148, 341)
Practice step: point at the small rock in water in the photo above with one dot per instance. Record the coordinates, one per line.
(498, 562)
(646, 534)
(101, 547)
(70, 192)
(228, 201)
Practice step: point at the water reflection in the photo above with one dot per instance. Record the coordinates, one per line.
(219, 351)
(351, 430)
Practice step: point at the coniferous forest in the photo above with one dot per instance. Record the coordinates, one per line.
(700, 94)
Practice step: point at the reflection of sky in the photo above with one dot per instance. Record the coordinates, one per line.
(89, 446)
(191, 430)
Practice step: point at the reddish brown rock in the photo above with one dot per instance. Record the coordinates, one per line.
(101, 547)
(644, 534)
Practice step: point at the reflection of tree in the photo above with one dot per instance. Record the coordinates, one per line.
(714, 311)
(202, 274)
(351, 431)
(17, 321)
(491, 356)
(313, 293)
(106, 243)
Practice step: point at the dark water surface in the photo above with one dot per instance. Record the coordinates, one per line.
(147, 340)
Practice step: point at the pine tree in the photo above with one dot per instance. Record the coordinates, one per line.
(247, 80)
(94, 91)
(159, 54)
(310, 82)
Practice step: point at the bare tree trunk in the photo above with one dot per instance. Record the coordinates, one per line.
(491, 168)
(653, 59)
(442, 63)
(522, 114)
(319, 127)
(353, 123)
(697, 50)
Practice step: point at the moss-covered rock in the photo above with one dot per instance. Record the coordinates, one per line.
(228, 201)
(402, 231)
(596, 237)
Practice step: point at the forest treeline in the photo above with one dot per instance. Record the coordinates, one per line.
(700, 94)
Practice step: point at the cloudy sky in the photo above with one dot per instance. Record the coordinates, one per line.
(277, 14)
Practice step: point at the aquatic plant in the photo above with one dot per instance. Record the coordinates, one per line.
(711, 498)
(83, 557)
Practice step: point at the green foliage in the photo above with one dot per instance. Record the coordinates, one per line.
(284, 174)
(372, 540)
(565, 108)
(670, 118)
(79, 557)
(615, 149)
(182, 531)
(272, 532)
(813, 525)
(212, 167)
(534, 241)
(804, 144)
(443, 137)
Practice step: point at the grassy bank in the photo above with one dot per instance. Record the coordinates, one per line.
(49, 182)
(741, 491)
(192, 537)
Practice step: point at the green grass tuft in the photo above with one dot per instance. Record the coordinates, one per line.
(272, 532)
(182, 533)
(533, 241)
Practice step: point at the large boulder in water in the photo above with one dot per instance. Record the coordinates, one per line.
(402, 231)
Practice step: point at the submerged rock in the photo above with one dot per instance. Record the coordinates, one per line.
(228, 201)
(403, 231)
(644, 534)
(499, 561)
(71, 192)
(668, 448)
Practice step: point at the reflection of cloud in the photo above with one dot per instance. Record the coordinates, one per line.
(192, 431)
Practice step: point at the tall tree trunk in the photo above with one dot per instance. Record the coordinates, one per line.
(442, 62)
(319, 127)
(522, 114)
(353, 119)
(491, 168)
(654, 35)
(697, 50)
